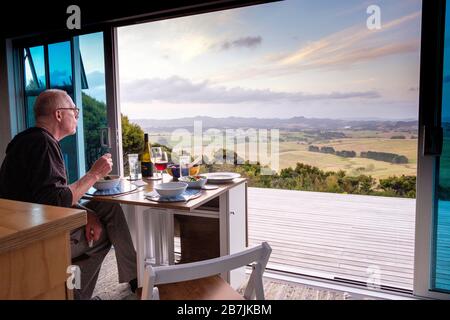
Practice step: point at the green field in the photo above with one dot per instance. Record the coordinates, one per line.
(291, 153)
(294, 149)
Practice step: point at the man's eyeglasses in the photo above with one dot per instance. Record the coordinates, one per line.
(76, 111)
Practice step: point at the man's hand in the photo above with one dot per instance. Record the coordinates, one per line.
(99, 169)
(93, 228)
(102, 166)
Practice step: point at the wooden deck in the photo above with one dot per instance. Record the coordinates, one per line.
(362, 239)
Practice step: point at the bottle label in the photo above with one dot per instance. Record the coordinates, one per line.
(147, 169)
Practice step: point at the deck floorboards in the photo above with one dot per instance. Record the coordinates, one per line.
(336, 236)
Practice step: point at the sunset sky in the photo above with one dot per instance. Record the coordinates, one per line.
(284, 59)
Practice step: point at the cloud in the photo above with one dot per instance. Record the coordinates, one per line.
(247, 42)
(338, 50)
(352, 45)
(181, 90)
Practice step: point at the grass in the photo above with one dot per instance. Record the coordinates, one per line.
(292, 152)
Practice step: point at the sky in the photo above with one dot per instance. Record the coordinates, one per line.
(292, 58)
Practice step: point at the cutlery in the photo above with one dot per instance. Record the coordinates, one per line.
(127, 193)
(191, 197)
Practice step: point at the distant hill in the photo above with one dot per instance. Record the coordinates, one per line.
(292, 124)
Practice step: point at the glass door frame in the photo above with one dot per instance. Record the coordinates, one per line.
(17, 110)
(432, 56)
(75, 91)
(112, 97)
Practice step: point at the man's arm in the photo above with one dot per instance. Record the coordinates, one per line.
(81, 186)
(101, 168)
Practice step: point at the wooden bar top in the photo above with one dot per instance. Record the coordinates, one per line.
(138, 198)
(22, 223)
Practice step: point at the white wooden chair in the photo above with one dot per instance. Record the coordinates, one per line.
(200, 280)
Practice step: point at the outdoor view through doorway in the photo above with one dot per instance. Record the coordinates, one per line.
(317, 110)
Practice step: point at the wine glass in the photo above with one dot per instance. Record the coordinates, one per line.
(161, 163)
(156, 154)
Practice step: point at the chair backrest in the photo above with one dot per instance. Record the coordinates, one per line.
(190, 271)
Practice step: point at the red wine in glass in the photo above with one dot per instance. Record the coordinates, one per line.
(161, 165)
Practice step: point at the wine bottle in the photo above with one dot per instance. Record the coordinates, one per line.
(146, 159)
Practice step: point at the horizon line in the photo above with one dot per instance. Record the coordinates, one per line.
(311, 118)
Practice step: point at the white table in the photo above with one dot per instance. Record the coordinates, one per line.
(152, 224)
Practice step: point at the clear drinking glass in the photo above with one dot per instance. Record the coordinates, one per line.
(184, 165)
(135, 166)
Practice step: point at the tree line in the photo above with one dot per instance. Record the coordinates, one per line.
(375, 155)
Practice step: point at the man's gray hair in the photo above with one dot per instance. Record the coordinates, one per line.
(48, 101)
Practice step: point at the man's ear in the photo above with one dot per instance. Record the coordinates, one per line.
(58, 115)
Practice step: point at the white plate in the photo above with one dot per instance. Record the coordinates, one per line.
(220, 177)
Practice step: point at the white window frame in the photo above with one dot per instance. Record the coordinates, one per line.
(424, 225)
(113, 98)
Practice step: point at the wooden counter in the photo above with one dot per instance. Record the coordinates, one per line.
(35, 249)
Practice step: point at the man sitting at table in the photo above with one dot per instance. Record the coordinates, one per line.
(33, 171)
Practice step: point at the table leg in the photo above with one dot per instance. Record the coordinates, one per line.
(158, 229)
(170, 234)
(140, 242)
(154, 238)
(162, 235)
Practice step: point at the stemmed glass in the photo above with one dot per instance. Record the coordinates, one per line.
(156, 154)
(161, 163)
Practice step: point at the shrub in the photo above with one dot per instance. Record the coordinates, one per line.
(404, 186)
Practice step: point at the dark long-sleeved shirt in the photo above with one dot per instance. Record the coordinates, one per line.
(33, 170)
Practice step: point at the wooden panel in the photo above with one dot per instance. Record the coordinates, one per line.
(22, 223)
(199, 238)
(56, 293)
(36, 270)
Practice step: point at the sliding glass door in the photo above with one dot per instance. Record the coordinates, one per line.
(441, 228)
(50, 66)
(93, 101)
(432, 257)
(76, 66)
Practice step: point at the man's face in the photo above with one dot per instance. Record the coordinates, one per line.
(69, 117)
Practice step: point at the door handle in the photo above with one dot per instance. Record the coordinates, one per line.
(232, 212)
(105, 137)
(433, 141)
